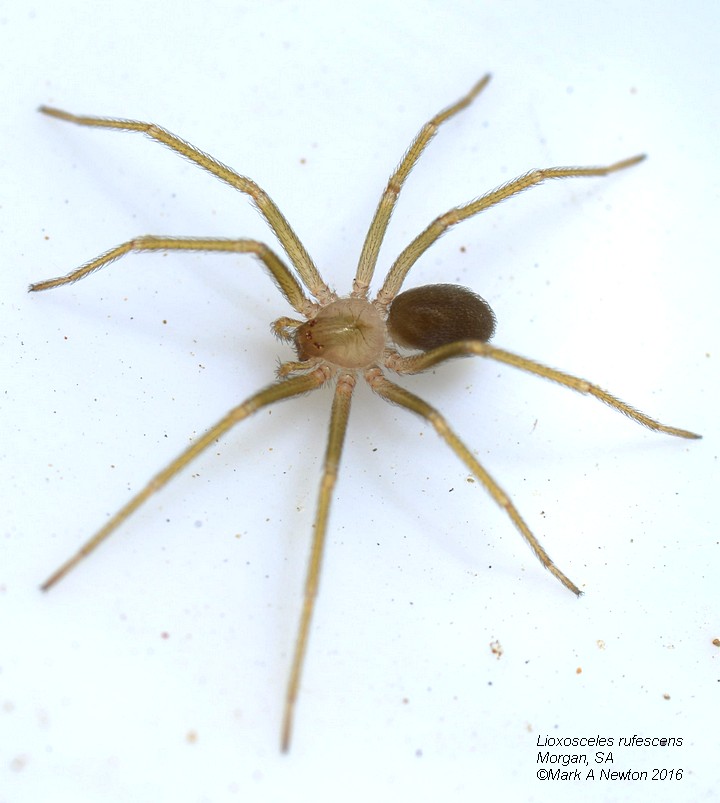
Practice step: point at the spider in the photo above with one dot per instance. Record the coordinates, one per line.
(340, 339)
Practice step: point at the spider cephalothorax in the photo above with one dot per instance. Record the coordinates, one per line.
(347, 333)
(343, 339)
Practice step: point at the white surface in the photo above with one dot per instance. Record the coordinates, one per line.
(616, 280)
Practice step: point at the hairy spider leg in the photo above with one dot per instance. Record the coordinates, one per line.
(396, 395)
(276, 220)
(401, 266)
(284, 279)
(415, 364)
(336, 437)
(285, 389)
(379, 224)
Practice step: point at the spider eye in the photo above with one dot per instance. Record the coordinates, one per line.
(437, 314)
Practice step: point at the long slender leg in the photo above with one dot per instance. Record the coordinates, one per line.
(336, 437)
(273, 393)
(421, 362)
(376, 233)
(287, 283)
(397, 395)
(441, 224)
(275, 218)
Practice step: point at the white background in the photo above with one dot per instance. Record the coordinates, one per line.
(156, 671)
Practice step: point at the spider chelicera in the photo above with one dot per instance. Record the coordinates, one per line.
(339, 339)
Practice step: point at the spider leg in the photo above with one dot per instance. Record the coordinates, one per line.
(441, 224)
(396, 395)
(333, 451)
(280, 273)
(421, 362)
(267, 207)
(379, 224)
(273, 393)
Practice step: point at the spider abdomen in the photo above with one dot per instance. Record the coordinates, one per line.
(348, 332)
(437, 314)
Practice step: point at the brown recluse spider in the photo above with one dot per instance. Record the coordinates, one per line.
(339, 338)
